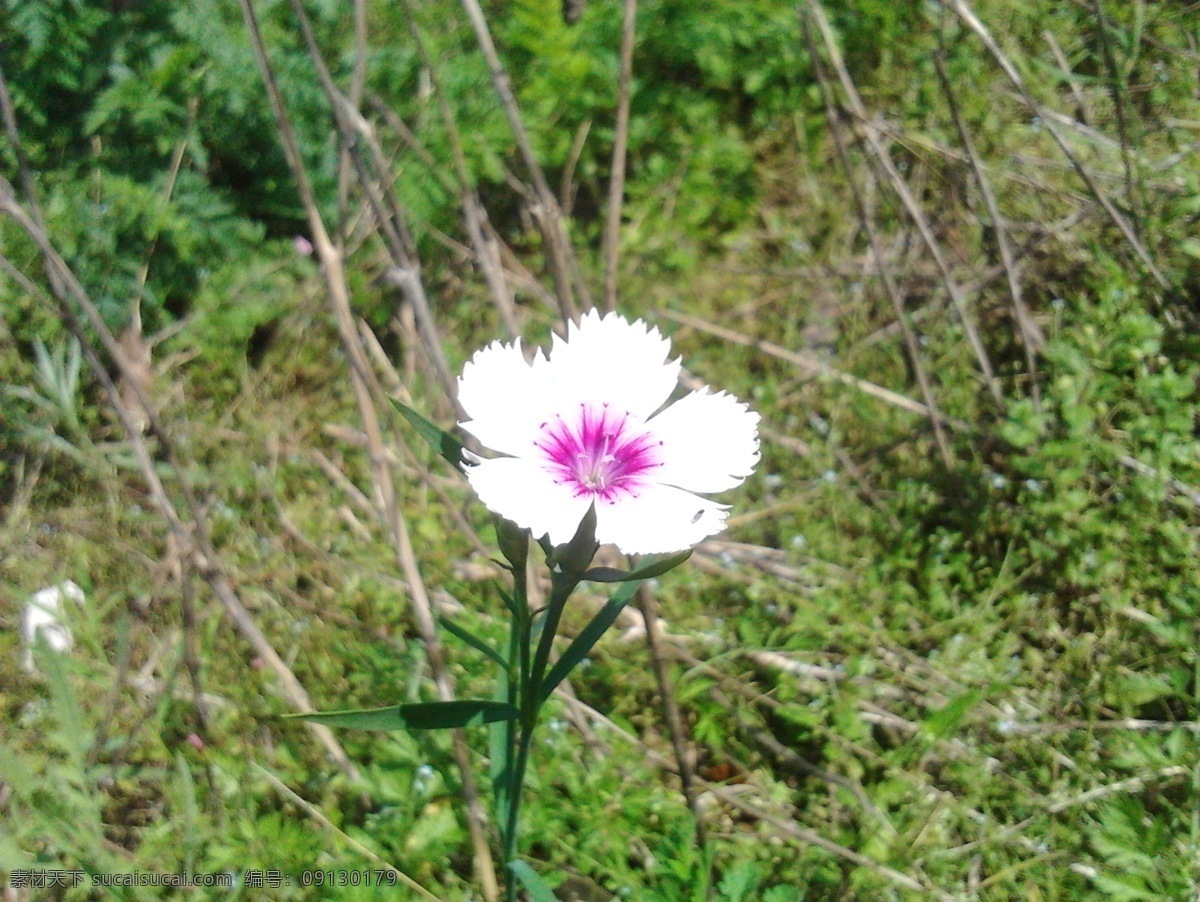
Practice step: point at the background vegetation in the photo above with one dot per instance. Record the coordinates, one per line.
(948, 646)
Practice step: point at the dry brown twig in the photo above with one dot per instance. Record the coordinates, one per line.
(563, 265)
(910, 339)
(1116, 89)
(1032, 339)
(616, 184)
(365, 390)
(566, 188)
(901, 187)
(670, 709)
(191, 531)
(1082, 112)
(483, 240)
(964, 12)
(785, 826)
(319, 816)
(811, 365)
(405, 272)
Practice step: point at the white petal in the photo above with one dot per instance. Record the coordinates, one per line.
(611, 360)
(710, 442)
(659, 519)
(525, 493)
(500, 392)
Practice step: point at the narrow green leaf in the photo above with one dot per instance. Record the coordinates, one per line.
(450, 448)
(534, 885)
(472, 640)
(652, 566)
(419, 716)
(499, 761)
(588, 636)
(509, 602)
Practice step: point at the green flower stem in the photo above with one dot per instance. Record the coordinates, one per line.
(514, 804)
(515, 746)
(561, 587)
(530, 676)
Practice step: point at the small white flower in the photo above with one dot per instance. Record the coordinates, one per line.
(582, 426)
(43, 617)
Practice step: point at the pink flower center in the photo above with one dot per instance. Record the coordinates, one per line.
(597, 452)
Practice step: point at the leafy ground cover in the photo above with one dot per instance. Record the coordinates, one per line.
(948, 647)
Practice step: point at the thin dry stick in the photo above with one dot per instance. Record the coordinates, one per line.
(911, 140)
(25, 176)
(670, 708)
(616, 184)
(193, 534)
(24, 171)
(1132, 784)
(1132, 724)
(358, 75)
(493, 255)
(785, 827)
(1032, 339)
(1117, 89)
(487, 254)
(190, 629)
(900, 186)
(910, 338)
(406, 269)
(319, 816)
(168, 190)
(814, 366)
(964, 12)
(564, 267)
(511, 267)
(359, 72)
(566, 187)
(362, 381)
(133, 343)
(1081, 107)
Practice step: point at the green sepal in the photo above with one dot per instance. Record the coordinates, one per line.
(588, 636)
(655, 565)
(419, 716)
(513, 542)
(573, 558)
(450, 448)
(472, 640)
(534, 885)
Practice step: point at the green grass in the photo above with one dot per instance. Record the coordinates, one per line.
(907, 673)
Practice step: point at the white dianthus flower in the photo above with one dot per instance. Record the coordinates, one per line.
(582, 425)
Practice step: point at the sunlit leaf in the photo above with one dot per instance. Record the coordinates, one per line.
(419, 716)
(450, 448)
(588, 636)
(534, 885)
(655, 565)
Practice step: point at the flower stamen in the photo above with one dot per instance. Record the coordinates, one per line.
(599, 454)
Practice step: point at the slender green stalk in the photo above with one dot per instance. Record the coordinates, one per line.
(530, 676)
(515, 744)
(561, 587)
(514, 804)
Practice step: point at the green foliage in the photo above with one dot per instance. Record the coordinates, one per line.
(418, 716)
(1140, 854)
(979, 672)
